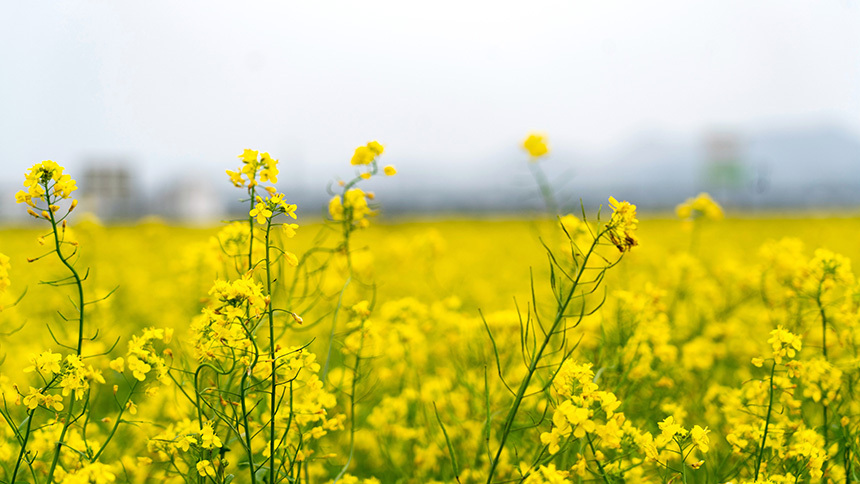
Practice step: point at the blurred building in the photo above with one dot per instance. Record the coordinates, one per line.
(726, 171)
(108, 190)
(190, 198)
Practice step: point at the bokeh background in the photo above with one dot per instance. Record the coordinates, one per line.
(147, 103)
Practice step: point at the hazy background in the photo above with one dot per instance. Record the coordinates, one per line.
(147, 103)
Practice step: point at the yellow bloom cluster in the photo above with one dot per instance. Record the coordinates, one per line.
(256, 168)
(142, 358)
(701, 206)
(45, 181)
(365, 155)
(622, 225)
(36, 398)
(784, 343)
(274, 204)
(352, 207)
(90, 473)
(76, 377)
(536, 146)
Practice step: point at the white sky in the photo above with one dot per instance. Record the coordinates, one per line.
(190, 84)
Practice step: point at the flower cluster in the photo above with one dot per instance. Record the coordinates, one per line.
(702, 206)
(256, 168)
(352, 207)
(622, 225)
(536, 146)
(267, 208)
(45, 182)
(142, 357)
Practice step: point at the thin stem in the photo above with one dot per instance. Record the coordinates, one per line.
(355, 376)
(594, 453)
(559, 317)
(766, 422)
(23, 445)
(824, 351)
(270, 312)
(253, 192)
(80, 308)
(545, 188)
(116, 425)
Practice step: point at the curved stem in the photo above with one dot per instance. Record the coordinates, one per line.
(80, 288)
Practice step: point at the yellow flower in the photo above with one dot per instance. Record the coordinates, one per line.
(622, 225)
(375, 147)
(362, 156)
(208, 439)
(138, 367)
(118, 364)
(248, 156)
(39, 178)
(365, 155)
(45, 362)
(335, 208)
(205, 468)
(536, 145)
(236, 178)
(260, 211)
(700, 438)
(701, 206)
(289, 230)
(389, 170)
(784, 343)
(270, 172)
(669, 429)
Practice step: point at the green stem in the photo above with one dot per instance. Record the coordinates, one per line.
(116, 425)
(253, 192)
(824, 351)
(766, 422)
(244, 406)
(80, 287)
(270, 312)
(559, 317)
(352, 406)
(683, 459)
(599, 465)
(545, 188)
(23, 446)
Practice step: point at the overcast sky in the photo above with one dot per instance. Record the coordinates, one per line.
(190, 84)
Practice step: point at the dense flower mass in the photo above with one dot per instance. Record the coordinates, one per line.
(402, 354)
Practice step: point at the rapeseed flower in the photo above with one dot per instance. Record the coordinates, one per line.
(622, 225)
(702, 206)
(536, 146)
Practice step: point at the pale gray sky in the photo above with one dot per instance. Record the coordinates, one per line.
(193, 83)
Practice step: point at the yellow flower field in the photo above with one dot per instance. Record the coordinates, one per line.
(616, 347)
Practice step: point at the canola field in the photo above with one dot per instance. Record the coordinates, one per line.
(611, 347)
